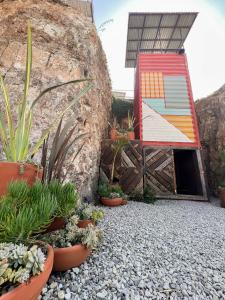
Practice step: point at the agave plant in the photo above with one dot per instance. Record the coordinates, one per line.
(15, 137)
(130, 120)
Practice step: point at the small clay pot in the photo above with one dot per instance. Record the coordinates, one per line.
(130, 135)
(57, 223)
(124, 202)
(113, 134)
(31, 289)
(70, 257)
(10, 171)
(85, 223)
(222, 196)
(111, 202)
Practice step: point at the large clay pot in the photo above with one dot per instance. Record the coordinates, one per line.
(131, 135)
(113, 134)
(70, 257)
(31, 290)
(222, 196)
(10, 171)
(57, 223)
(85, 223)
(111, 202)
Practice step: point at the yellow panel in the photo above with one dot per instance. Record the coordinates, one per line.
(183, 123)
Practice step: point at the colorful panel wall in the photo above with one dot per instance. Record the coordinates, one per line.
(166, 109)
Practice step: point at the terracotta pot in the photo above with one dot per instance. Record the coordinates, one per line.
(113, 134)
(222, 196)
(57, 223)
(17, 171)
(124, 202)
(85, 223)
(111, 202)
(131, 135)
(70, 257)
(31, 290)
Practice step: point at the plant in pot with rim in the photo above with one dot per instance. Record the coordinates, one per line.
(72, 245)
(88, 216)
(113, 129)
(130, 129)
(15, 137)
(25, 262)
(111, 194)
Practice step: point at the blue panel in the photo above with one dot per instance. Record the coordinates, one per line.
(159, 106)
(176, 92)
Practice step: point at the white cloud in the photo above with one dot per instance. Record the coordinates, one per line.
(205, 45)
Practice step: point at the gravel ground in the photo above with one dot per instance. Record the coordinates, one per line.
(170, 250)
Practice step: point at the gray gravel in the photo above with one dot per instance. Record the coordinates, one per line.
(170, 250)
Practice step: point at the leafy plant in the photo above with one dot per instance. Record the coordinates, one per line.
(19, 224)
(148, 196)
(86, 212)
(114, 124)
(117, 147)
(222, 184)
(110, 191)
(15, 138)
(72, 235)
(130, 120)
(65, 195)
(52, 165)
(18, 263)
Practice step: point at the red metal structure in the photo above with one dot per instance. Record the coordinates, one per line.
(164, 110)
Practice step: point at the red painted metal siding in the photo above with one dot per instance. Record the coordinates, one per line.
(169, 65)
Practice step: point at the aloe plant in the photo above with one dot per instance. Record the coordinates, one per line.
(15, 136)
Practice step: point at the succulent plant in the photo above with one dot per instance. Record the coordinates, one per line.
(86, 212)
(72, 235)
(18, 263)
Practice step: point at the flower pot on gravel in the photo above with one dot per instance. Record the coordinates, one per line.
(131, 135)
(70, 257)
(10, 171)
(111, 202)
(85, 223)
(31, 290)
(57, 223)
(222, 196)
(124, 202)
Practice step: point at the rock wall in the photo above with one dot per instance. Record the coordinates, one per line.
(211, 118)
(65, 47)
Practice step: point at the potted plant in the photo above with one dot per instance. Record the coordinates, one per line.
(111, 195)
(25, 263)
(72, 245)
(15, 136)
(113, 129)
(87, 216)
(130, 130)
(222, 194)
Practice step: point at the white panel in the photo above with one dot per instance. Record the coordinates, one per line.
(158, 129)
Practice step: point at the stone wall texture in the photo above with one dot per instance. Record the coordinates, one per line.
(66, 46)
(211, 118)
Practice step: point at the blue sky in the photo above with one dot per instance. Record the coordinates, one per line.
(205, 45)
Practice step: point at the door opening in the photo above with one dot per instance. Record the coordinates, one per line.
(187, 172)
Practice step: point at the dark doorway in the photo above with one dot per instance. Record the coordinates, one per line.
(188, 179)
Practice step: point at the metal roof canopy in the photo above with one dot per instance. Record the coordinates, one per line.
(156, 32)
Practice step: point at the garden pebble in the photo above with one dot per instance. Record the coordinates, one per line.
(170, 250)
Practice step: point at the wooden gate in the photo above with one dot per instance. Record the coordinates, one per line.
(129, 166)
(159, 170)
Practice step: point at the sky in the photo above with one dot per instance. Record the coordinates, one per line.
(205, 44)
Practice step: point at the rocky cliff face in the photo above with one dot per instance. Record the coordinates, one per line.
(65, 47)
(211, 118)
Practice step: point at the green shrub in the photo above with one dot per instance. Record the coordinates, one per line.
(148, 196)
(110, 191)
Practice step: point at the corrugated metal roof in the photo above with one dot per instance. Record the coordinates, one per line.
(156, 32)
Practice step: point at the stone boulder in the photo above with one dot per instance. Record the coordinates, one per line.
(211, 119)
(66, 46)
